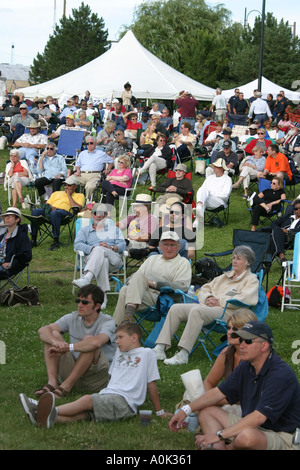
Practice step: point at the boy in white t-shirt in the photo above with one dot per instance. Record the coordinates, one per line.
(133, 372)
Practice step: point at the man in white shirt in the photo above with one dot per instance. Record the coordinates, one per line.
(259, 109)
(219, 104)
(89, 165)
(215, 190)
(168, 269)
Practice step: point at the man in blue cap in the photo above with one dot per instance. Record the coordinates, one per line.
(267, 390)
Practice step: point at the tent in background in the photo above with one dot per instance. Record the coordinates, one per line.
(106, 75)
(266, 87)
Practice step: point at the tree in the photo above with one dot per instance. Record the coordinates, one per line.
(192, 37)
(280, 55)
(76, 40)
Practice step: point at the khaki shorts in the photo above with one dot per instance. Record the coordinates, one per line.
(276, 440)
(110, 407)
(93, 380)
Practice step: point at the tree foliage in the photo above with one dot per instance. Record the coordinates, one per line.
(202, 42)
(75, 41)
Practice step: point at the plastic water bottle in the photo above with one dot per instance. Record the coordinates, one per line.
(192, 422)
(191, 290)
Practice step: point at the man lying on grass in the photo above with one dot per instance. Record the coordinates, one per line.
(133, 372)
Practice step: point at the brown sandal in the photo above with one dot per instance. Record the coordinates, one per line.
(60, 392)
(46, 388)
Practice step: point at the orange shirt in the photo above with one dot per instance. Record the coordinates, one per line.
(280, 163)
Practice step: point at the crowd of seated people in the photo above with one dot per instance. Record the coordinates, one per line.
(118, 139)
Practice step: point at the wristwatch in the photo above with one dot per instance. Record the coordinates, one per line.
(220, 436)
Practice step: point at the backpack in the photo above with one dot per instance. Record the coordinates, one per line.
(208, 269)
(275, 295)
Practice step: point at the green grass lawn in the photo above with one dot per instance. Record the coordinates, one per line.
(52, 273)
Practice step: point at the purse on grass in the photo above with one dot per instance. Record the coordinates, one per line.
(27, 295)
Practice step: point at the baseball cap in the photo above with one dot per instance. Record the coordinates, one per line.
(255, 329)
(169, 236)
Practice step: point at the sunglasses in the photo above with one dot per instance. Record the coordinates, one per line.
(99, 214)
(249, 341)
(90, 143)
(50, 148)
(233, 328)
(260, 133)
(175, 212)
(84, 301)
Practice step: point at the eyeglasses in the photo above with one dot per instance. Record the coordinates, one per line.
(249, 341)
(50, 148)
(123, 163)
(90, 143)
(118, 133)
(99, 214)
(260, 133)
(83, 301)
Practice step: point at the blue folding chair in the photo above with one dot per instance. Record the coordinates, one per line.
(291, 278)
(261, 310)
(157, 313)
(70, 143)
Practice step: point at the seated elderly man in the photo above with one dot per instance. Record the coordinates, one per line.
(52, 169)
(166, 269)
(59, 205)
(18, 123)
(69, 125)
(176, 187)
(120, 145)
(102, 244)
(239, 283)
(40, 111)
(30, 143)
(70, 108)
(230, 158)
(215, 190)
(89, 165)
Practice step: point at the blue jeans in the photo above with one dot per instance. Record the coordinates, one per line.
(55, 218)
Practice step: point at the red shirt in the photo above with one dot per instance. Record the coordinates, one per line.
(187, 106)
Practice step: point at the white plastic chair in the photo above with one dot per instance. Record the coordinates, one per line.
(79, 260)
(291, 277)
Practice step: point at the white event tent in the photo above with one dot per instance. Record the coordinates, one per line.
(106, 75)
(266, 87)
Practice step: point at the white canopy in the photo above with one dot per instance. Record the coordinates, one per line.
(106, 75)
(266, 87)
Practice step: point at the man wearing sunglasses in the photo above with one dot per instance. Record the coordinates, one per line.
(102, 244)
(89, 165)
(52, 169)
(177, 186)
(267, 390)
(83, 362)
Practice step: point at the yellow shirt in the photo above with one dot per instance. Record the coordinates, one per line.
(60, 200)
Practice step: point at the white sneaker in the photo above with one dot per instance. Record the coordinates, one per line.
(180, 357)
(83, 281)
(160, 353)
(103, 306)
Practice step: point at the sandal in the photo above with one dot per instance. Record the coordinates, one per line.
(60, 392)
(46, 388)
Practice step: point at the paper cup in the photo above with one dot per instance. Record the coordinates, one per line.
(193, 383)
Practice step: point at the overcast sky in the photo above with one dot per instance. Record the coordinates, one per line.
(27, 24)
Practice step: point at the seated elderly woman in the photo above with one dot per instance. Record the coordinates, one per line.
(17, 175)
(239, 283)
(267, 201)
(250, 168)
(106, 135)
(83, 122)
(15, 246)
(117, 180)
(160, 157)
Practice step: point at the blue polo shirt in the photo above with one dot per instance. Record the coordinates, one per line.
(274, 392)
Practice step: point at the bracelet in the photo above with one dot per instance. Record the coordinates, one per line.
(71, 347)
(159, 413)
(187, 410)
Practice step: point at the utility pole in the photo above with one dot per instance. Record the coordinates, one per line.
(261, 51)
